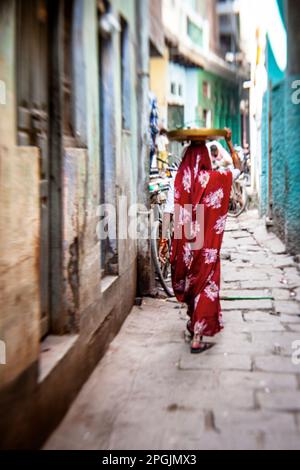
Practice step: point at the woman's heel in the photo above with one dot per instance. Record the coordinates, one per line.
(197, 346)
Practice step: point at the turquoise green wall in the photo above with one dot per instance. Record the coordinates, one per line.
(224, 103)
(264, 176)
(285, 143)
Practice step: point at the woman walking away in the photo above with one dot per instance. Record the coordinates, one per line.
(196, 270)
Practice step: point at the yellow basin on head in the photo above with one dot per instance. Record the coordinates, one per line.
(182, 135)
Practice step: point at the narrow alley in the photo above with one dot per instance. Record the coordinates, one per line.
(244, 393)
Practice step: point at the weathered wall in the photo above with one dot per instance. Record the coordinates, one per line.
(74, 235)
(89, 245)
(127, 144)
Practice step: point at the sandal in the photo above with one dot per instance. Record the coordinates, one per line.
(198, 346)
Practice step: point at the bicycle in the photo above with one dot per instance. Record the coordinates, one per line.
(163, 270)
(238, 197)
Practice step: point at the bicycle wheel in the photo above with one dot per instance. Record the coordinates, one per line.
(163, 271)
(238, 199)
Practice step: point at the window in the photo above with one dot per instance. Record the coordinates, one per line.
(195, 33)
(125, 74)
(225, 21)
(226, 42)
(175, 116)
(206, 90)
(180, 90)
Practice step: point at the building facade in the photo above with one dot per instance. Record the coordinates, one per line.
(220, 103)
(73, 144)
(194, 85)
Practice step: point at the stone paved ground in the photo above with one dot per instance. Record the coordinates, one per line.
(149, 392)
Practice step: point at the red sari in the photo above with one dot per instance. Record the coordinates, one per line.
(196, 272)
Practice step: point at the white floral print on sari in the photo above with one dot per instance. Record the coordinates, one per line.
(220, 225)
(204, 179)
(177, 195)
(224, 171)
(196, 301)
(214, 200)
(185, 216)
(196, 169)
(211, 255)
(200, 327)
(188, 255)
(187, 180)
(189, 281)
(212, 291)
(195, 229)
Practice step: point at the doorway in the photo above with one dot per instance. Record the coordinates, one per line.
(33, 62)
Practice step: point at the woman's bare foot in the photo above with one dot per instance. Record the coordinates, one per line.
(198, 346)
